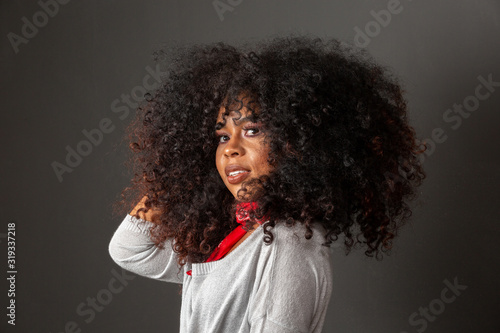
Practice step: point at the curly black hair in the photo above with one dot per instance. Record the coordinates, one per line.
(344, 153)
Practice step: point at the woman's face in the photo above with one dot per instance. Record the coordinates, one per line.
(241, 152)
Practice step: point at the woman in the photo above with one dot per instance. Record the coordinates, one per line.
(311, 142)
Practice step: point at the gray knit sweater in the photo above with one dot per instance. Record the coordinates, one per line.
(284, 287)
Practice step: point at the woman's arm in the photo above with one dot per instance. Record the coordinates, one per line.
(132, 248)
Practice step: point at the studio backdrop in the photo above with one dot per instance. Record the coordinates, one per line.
(73, 73)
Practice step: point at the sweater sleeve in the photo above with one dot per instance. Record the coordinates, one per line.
(132, 249)
(294, 295)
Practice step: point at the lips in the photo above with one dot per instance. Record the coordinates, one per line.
(239, 173)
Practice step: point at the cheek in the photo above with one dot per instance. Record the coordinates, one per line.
(217, 161)
(219, 165)
(262, 160)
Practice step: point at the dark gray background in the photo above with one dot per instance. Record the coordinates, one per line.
(65, 78)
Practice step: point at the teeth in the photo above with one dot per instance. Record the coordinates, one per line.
(234, 173)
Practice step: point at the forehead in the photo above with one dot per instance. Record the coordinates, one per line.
(234, 118)
(235, 114)
(238, 111)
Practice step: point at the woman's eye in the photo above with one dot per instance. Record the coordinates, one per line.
(252, 131)
(219, 137)
(255, 129)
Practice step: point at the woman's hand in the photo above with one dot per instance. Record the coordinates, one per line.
(151, 214)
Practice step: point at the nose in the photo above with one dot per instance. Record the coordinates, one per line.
(234, 147)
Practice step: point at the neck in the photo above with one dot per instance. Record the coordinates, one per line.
(243, 210)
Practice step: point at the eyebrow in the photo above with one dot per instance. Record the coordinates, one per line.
(220, 125)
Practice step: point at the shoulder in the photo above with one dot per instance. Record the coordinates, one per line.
(299, 283)
(297, 261)
(292, 240)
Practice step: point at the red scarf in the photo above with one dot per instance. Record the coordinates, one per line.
(228, 242)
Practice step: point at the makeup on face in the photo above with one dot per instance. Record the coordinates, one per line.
(241, 151)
